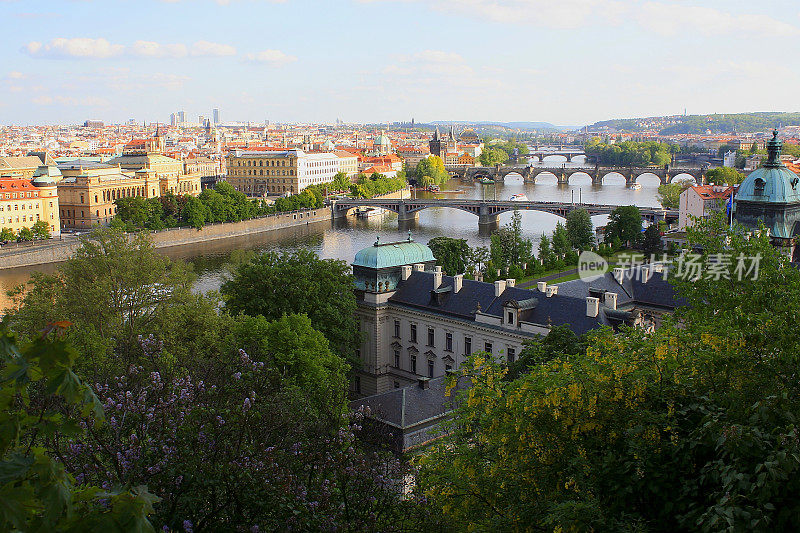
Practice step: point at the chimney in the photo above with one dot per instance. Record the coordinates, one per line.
(542, 286)
(499, 287)
(619, 274)
(611, 300)
(458, 281)
(511, 282)
(592, 306)
(645, 270)
(551, 290)
(419, 267)
(658, 267)
(405, 272)
(437, 277)
(423, 383)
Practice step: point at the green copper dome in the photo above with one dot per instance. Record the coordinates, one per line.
(393, 254)
(46, 175)
(773, 182)
(382, 140)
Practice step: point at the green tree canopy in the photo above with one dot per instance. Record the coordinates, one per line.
(274, 284)
(669, 193)
(451, 254)
(724, 176)
(492, 156)
(625, 224)
(580, 229)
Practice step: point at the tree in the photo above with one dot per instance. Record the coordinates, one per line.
(25, 234)
(37, 381)
(41, 230)
(580, 229)
(669, 193)
(273, 284)
(724, 175)
(451, 254)
(492, 156)
(431, 171)
(652, 245)
(7, 235)
(545, 251)
(478, 259)
(560, 240)
(625, 224)
(195, 212)
(112, 289)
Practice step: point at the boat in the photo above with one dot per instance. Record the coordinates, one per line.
(433, 188)
(366, 212)
(635, 186)
(519, 198)
(487, 181)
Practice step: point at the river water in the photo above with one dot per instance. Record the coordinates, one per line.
(343, 238)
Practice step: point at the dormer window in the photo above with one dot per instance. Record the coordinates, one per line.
(759, 186)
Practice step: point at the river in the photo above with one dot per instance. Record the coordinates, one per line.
(343, 238)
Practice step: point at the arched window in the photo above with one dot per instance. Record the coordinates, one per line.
(759, 186)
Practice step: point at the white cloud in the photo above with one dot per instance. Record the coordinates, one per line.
(272, 57)
(205, 48)
(77, 48)
(92, 101)
(15, 75)
(85, 48)
(674, 19)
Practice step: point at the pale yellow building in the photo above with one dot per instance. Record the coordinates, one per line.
(146, 156)
(280, 172)
(88, 191)
(348, 163)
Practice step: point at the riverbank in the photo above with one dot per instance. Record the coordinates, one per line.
(57, 251)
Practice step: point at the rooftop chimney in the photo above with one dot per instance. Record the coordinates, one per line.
(419, 267)
(405, 272)
(423, 383)
(658, 267)
(542, 286)
(437, 277)
(511, 282)
(551, 290)
(458, 282)
(499, 287)
(619, 274)
(592, 306)
(645, 273)
(611, 300)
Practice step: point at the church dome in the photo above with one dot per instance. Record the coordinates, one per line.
(393, 254)
(382, 140)
(46, 176)
(773, 182)
(328, 146)
(469, 136)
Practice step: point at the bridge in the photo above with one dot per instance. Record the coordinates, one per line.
(488, 211)
(541, 154)
(562, 173)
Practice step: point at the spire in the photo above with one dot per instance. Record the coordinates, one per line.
(774, 147)
(436, 134)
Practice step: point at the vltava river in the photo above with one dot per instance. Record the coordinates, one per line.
(341, 240)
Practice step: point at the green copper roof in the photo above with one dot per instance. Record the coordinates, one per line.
(773, 182)
(46, 175)
(393, 254)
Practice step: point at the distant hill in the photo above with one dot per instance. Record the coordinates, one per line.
(525, 126)
(698, 124)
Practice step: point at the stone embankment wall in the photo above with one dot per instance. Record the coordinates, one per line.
(56, 251)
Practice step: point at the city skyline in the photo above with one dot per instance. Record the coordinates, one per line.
(372, 61)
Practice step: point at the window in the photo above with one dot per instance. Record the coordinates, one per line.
(396, 385)
(397, 358)
(759, 186)
(487, 347)
(511, 317)
(448, 341)
(430, 368)
(413, 333)
(396, 329)
(431, 337)
(358, 354)
(448, 368)
(467, 345)
(414, 363)
(512, 355)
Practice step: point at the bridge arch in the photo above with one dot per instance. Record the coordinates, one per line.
(683, 177)
(648, 179)
(613, 178)
(545, 177)
(580, 178)
(513, 177)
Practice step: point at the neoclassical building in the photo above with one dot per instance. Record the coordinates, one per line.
(771, 194)
(417, 322)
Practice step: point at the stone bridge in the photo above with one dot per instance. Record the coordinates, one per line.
(488, 211)
(563, 173)
(541, 154)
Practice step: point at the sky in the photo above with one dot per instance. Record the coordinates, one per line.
(568, 62)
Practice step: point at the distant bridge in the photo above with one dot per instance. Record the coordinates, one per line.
(488, 211)
(563, 173)
(541, 154)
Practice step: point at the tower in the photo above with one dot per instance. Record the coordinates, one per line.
(435, 144)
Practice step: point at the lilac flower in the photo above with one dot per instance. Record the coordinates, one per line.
(187, 526)
(237, 375)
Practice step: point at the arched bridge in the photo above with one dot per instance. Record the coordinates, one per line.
(541, 154)
(563, 173)
(488, 211)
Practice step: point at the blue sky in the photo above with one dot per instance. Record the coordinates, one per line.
(569, 62)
